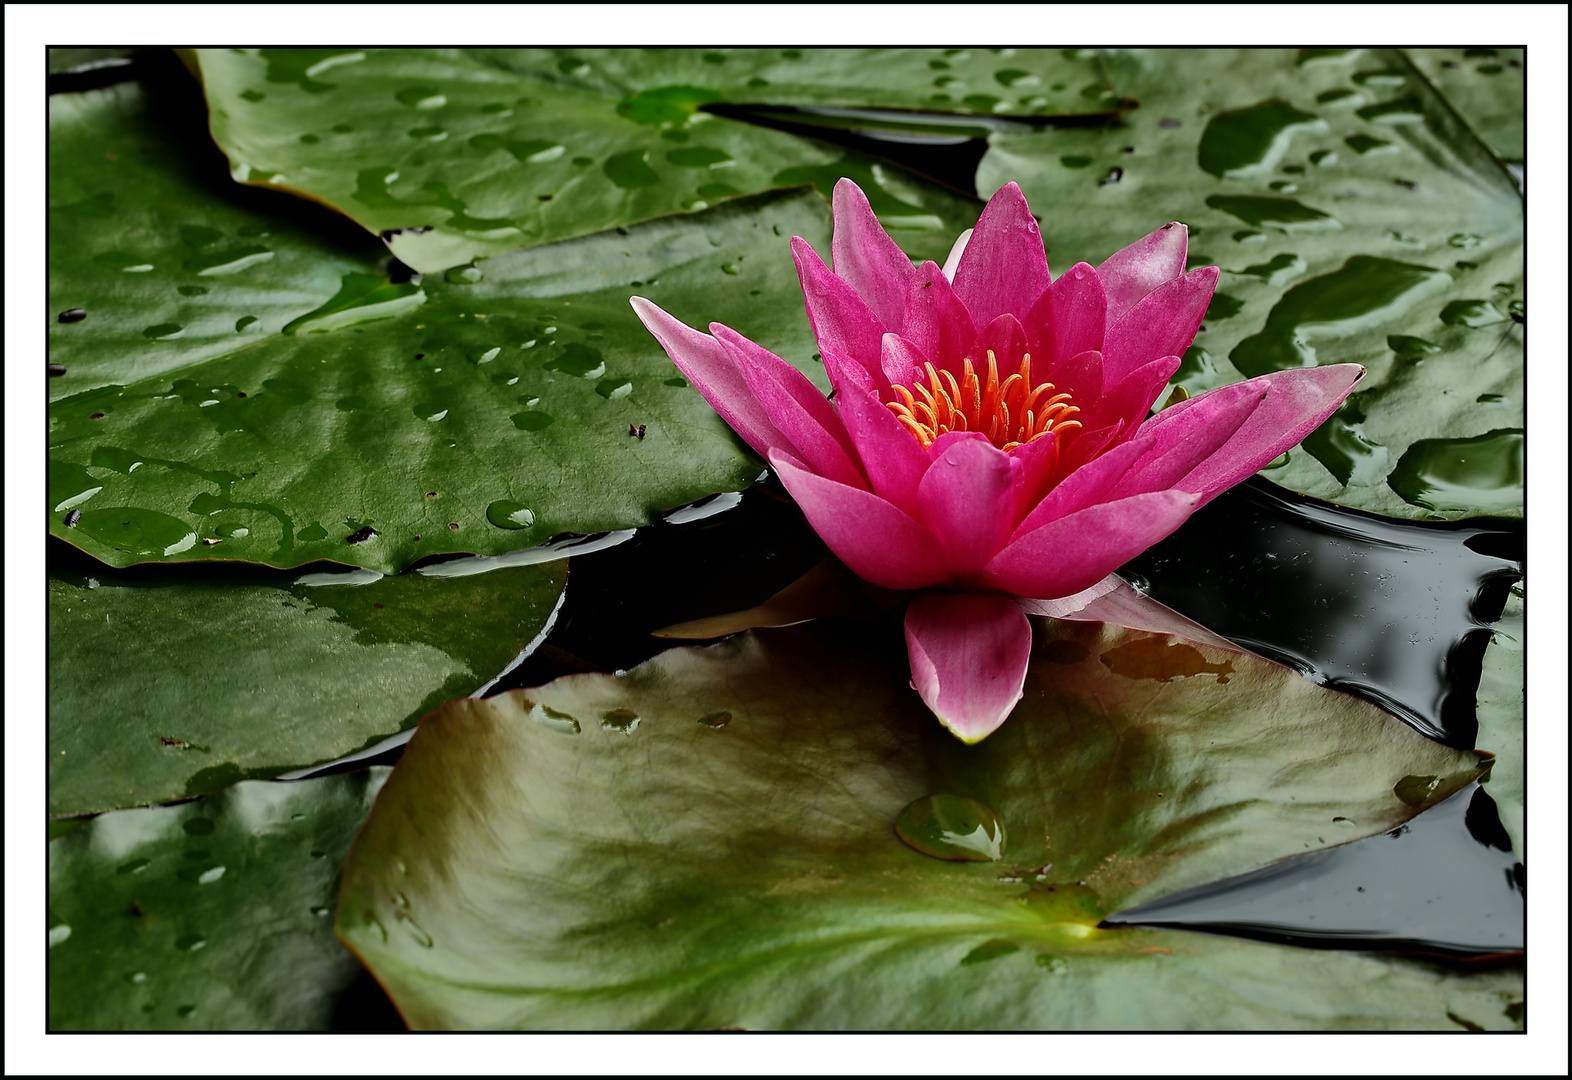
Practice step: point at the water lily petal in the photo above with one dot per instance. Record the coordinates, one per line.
(1006, 339)
(1004, 267)
(891, 456)
(1085, 486)
(1131, 273)
(879, 542)
(957, 249)
(1038, 461)
(937, 323)
(1130, 398)
(840, 319)
(1068, 319)
(1162, 323)
(864, 256)
(1073, 552)
(796, 407)
(1175, 449)
(1296, 402)
(967, 498)
(902, 361)
(1114, 601)
(969, 655)
(715, 374)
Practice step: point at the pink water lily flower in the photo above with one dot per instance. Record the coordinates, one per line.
(987, 441)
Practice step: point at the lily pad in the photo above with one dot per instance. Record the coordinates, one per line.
(732, 860)
(1486, 86)
(453, 155)
(208, 916)
(170, 682)
(1501, 708)
(156, 261)
(513, 385)
(1357, 219)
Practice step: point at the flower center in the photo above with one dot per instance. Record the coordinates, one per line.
(1008, 413)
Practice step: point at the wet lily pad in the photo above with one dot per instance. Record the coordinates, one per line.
(170, 682)
(1399, 226)
(160, 260)
(531, 867)
(209, 916)
(453, 155)
(1488, 90)
(382, 442)
(1501, 708)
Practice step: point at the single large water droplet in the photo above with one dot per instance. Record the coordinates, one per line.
(951, 827)
(506, 514)
(622, 721)
(1483, 474)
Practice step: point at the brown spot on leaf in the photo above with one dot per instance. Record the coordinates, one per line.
(1153, 658)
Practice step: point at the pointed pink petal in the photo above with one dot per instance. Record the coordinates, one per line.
(1006, 339)
(1086, 486)
(878, 541)
(1037, 460)
(902, 361)
(1150, 262)
(1069, 319)
(714, 373)
(891, 455)
(1071, 553)
(1176, 449)
(1296, 403)
(1004, 267)
(796, 408)
(967, 499)
(937, 323)
(1130, 397)
(957, 249)
(1115, 602)
(865, 257)
(839, 317)
(969, 655)
(1163, 323)
(1080, 376)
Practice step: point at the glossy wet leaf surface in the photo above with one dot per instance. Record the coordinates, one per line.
(454, 155)
(692, 874)
(1357, 218)
(214, 915)
(169, 682)
(478, 413)
(1502, 718)
(1486, 87)
(164, 261)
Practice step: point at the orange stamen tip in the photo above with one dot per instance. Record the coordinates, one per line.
(1011, 413)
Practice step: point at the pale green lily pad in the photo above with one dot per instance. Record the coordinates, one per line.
(1501, 710)
(208, 916)
(1357, 219)
(513, 385)
(154, 263)
(454, 155)
(709, 841)
(165, 683)
(1487, 87)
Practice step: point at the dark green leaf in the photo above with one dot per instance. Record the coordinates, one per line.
(166, 683)
(605, 853)
(457, 154)
(1353, 212)
(210, 916)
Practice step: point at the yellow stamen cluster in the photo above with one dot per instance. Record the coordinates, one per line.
(1008, 413)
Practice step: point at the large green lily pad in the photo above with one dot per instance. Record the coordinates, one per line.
(209, 916)
(1487, 87)
(1357, 219)
(709, 842)
(169, 682)
(455, 154)
(1501, 708)
(166, 261)
(489, 411)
